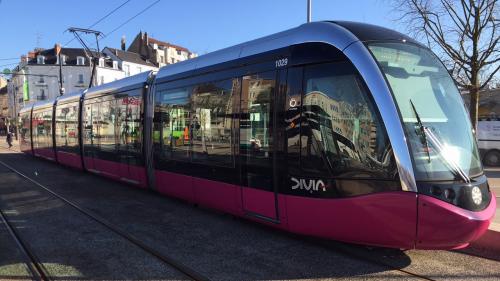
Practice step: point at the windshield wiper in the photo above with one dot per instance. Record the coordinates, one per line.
(436, 143)
(422, 131)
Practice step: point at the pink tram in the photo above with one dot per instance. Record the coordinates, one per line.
(340, 130)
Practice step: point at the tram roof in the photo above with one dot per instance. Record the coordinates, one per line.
(25, 108)
(119, 85)
(44, 104)
(339, 34)
(71, 97)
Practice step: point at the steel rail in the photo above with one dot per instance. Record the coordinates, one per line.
(188, 272)
(35, 267)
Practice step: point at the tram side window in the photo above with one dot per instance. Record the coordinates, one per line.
(106, 125)
(129, 126)
(341, 132)
(25, 131)
(90, 133)
(134, 122)
(211, 123)
(67, 127)
(42, 124)
(256, 139)
(173, 126)
(36, 127)
(293, 118)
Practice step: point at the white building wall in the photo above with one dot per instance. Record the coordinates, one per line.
(75, 78)
(107, 74)
(135, 68)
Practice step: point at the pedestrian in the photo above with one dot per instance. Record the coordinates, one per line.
(9, 139)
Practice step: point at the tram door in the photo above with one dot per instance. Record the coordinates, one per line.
(257, 144)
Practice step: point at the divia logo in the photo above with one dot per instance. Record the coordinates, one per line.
(309, 185)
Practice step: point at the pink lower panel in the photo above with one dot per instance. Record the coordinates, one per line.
(382, 219)
(217, 195)
(262, 203)
(176, 185)
(137, 174)
(107, 168)
(89, 163)
(47, 153)
(69, 159)
(443, 226)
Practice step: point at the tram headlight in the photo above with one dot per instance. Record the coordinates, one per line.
(477, 196)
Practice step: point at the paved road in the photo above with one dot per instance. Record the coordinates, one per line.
(215, 244)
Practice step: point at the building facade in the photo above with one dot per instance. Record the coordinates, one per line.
(159, 52)
(37, 77)
(129, 63)
(4, 106)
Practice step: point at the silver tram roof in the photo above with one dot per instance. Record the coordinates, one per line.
(44, 104)
(339, 34)
(71, 97)
(119, 85)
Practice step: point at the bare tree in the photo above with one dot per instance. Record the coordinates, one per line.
(465, 34)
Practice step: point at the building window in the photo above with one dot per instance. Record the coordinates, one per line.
(80, 78)
(172, 60)
(41, 80)
(42, 95)
(40, 59)
(63, 58)
(115, 64)
(162, 59)
(126, 68)
(179, 52)
(80, 60)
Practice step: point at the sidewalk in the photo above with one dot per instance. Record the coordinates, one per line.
(4, 148)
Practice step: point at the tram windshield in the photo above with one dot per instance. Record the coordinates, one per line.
(436, 122)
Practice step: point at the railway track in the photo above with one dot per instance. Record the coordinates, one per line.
(34, 266)
(39, 271)
(359, 253)
(190, 273)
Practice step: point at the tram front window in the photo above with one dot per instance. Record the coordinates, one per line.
(434, 116)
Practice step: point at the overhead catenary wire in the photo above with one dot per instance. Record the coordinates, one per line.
(130, 19)
(101, 19)
(8, 64)
(9, 59)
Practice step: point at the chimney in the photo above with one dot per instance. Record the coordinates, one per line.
(146, 38)
(57, 48)
(123, 43)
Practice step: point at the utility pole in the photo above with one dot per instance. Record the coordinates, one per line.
(58, 53)
(309, 10)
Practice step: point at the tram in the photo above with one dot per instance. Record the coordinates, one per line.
(338, 130)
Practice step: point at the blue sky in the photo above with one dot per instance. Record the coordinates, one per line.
(200, 25)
